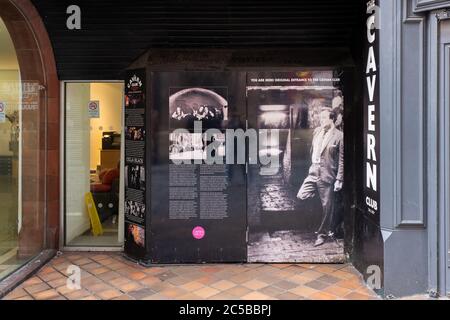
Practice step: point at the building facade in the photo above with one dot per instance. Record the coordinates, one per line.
(90, 93)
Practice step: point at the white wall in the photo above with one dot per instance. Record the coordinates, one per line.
(77, 159)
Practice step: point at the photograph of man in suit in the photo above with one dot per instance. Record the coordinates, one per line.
(326, 174)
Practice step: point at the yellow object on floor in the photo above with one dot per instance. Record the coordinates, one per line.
(96, 225)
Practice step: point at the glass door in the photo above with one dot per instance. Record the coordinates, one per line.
(94, 165)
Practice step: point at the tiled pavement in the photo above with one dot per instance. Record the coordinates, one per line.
(109, 276)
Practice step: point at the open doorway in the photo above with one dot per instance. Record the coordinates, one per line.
(93, 215)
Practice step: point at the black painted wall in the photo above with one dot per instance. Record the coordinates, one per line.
(115, 33)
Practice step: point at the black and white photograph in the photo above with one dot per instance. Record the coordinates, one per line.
(206, 105)
(135, 176)
(193, 146)
(134, 209)
(295, 208)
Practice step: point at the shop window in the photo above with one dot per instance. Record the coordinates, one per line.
(21, 140)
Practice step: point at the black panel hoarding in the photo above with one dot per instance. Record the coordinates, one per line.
(198, 207)
(372, 115)
(295, 201)
(136, 184)
(245, 167)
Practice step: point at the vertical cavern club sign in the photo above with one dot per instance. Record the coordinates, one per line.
(372, 112)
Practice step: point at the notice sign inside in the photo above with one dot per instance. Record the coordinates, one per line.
(371, 113)
(2, 112)
(94, 109)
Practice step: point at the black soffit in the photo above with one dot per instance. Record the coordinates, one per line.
(115, 33)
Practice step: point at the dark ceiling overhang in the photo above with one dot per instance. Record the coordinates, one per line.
(115, 33)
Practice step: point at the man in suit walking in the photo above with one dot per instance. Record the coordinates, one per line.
(326, 174)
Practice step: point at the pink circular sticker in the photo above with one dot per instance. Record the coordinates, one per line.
(198, 233)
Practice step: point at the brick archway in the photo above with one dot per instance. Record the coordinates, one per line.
(40, 128)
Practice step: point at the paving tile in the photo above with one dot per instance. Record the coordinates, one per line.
(238, 291)
(223, 285)
(289, 296)
(160, 286)
(149, 281)
(207, 280)
(272, 291)
(91, 297)
(269, 279)
(189, 296)
(46, 270)
(32, 281)
(123, 297)
(98, 271)
(129, 286)
(37, 288)
(303, 291)
(256, 296)
(311, 274)
(141, 294)
(166, 275)
(206, 292)
(349, 284)
(285, 285)
(358, 296)
(299, 279)
(51, 276)
(57, 282)
(223, 296)
(178, 281)
(329, 279)
(46, 295)
(337, 291)
(17, 293)
(108, 276)
(254, 284)
(109, 294)
(25, 298)
(322, 296)
(173, 293)
(117, 282)
(77, 294)
(318, 285)
(137, 275)
(192, 286)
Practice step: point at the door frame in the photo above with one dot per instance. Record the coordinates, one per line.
(62, 239)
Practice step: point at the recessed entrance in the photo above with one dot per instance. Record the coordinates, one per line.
(94, 171)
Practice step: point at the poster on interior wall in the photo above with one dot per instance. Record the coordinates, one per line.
(94, 109)
(295, 201)
(201, 215)
(135, 165)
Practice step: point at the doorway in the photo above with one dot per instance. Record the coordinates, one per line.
(94, 192)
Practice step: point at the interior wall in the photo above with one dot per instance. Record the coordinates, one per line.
(110, 96)
(77, 159)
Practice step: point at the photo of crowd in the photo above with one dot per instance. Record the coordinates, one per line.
(135, 133)
(134, 209)
(198, 104)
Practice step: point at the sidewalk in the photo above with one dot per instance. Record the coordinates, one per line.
(108, 276)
